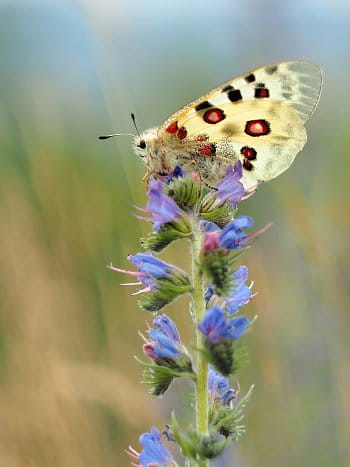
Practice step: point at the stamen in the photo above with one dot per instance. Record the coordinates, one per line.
(132, 453)
(147, 289)
(123, 271)
(130, 283)
(255, 234)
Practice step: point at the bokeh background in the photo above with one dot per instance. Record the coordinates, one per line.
(70, 392)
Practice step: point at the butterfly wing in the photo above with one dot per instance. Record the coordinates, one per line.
(258, 117)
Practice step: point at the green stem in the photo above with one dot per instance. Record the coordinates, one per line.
(199, 310)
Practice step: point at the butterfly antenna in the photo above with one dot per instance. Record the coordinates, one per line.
(115, 134)
(134, 122)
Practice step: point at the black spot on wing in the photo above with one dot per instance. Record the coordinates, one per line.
(260, 85)
(234, 95)
(227, 88)
(250, 78)
(203, 105)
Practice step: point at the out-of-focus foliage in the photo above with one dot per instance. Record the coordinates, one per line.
(69, 387)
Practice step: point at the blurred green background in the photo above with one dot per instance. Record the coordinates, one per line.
(70, 392)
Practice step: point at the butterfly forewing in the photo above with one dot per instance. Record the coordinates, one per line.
(296, 82)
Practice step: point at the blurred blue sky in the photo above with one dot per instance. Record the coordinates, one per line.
(145, 50)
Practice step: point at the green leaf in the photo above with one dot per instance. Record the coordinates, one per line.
(158, 378)
(197, 446)
(212, 446)
(170, 287)
(227, 356)
(221, 214)
(186, 442)
(219, 265)
(168, 233)
(227, 420)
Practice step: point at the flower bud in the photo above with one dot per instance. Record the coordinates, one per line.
(220, 335)
(164, 345)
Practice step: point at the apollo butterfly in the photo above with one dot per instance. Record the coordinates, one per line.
(257, 118)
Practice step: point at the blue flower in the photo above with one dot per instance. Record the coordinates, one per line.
(208, 294)
(215, 327)
(154, 453)
(230, 188)
(208, 226)
(161, 208)
(178, 172)
(236, 327)
(233, 237)
(167, 326)
(219, 388)
(164, 344)
(241, 292)
(160, 346)
(149, 268)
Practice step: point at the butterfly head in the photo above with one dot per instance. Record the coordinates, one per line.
(146, 147)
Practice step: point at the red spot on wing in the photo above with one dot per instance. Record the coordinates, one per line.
(182, 133)
(257, 128)
(248, 153)
(214, 116)
(172, 128)
(247, 165)
(207, 150)
(262, 92)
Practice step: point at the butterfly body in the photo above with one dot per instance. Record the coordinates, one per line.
(257, 118)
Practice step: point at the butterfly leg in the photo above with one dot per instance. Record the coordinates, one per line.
(145, 177)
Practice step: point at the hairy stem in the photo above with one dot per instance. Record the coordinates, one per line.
(199, 309)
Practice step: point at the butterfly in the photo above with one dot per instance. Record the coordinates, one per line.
(257, 118)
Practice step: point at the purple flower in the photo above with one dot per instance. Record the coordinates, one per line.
(161, 208)
(208, 294)
(232, 236)
(211, 241)
(167, 327)
(178, 172)
(236, 327)
(154, 453)
(149, 268)
(160, 346)
(215, 327)
(164, 344)
(149, 265)
(241, 292)
(219, 388)
(230, 188)
(208, 226)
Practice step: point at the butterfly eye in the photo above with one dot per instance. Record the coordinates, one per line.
(142, 144)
